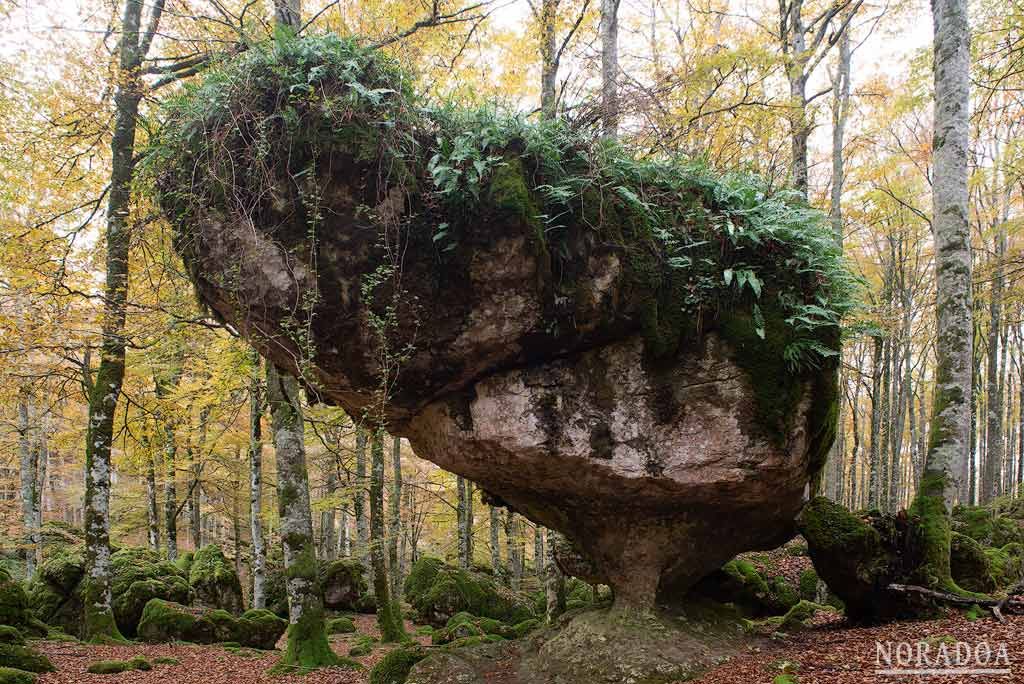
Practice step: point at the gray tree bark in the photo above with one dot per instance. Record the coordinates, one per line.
(359, 499)
(609, 30)
(495, 545)
(307, 638)
(389, 615)
(395, 531)
(259, 548)
(950, 429)
(29, 472)
(992, 479)
(105, 386)
(460, 522)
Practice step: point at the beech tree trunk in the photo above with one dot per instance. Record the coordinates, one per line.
(389, 614)
(992, 478)
(359, 499)
(152, 507)
(495, 545)
(609, 30)
(29, 471)
(395, 531)
(950, 428)
(460, 522)
(307, 636)
(259, 548)
(105, 386)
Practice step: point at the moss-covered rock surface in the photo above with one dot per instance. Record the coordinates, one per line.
(438, 592)
(164, 621)
(214, 580)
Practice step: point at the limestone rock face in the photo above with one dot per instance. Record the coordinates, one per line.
(585, 351)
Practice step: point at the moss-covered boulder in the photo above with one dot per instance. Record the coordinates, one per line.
(631, 351)
(215, 583)
(341, 625)
(987, 525)
(10, 675)
(395, 666)
(14, 606)
(969, 565)
(11, 635)
(260, 629)
(137, 576)
(463, 625)
(739, 582)
(438, 592)
(163, 621)
(343, 584)
(21, 657)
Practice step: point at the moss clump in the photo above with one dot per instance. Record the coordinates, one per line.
(987, 525)
(24, 658)
(364, 645)
(438, 592)
(13, 602)
(214, 580)
(166, 660)
(11, 635)
(343, 584)
(260, 628)
(525, 627)
(395, 666)
(184, 562)
(138, 575)
(341, 625)
(116, 666)
(970, 567)
(10, 675)
(809, 584)
(164, 621)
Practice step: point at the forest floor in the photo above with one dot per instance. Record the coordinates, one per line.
(834, 652)
(208, 664)
(830, 652)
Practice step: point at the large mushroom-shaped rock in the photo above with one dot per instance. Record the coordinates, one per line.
(638, 354)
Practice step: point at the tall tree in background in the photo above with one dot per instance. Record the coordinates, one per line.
(307, 635)
(359, 499)
(259, 549)
(609, 30)
(949, 440)
(551, 50)
(28, 453)
(395, 531)
(804, 45)
(389, 614)
(104, 387)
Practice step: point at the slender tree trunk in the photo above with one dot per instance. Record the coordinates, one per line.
(468, 522)
(994, 437)
(41, 481)
(549, 60)
(950, 429)
(152, 507)
(359, 499)
(29, 470)
(875, 484)
(259, 548)
(236, 508)
(609, 30)
(389, 614)
(460, 522)
(327, 541)
(105, 386)
(538, 552)
(307, 636)
(515, 565)
(495, 547)
(554, 583)
(395, 532)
